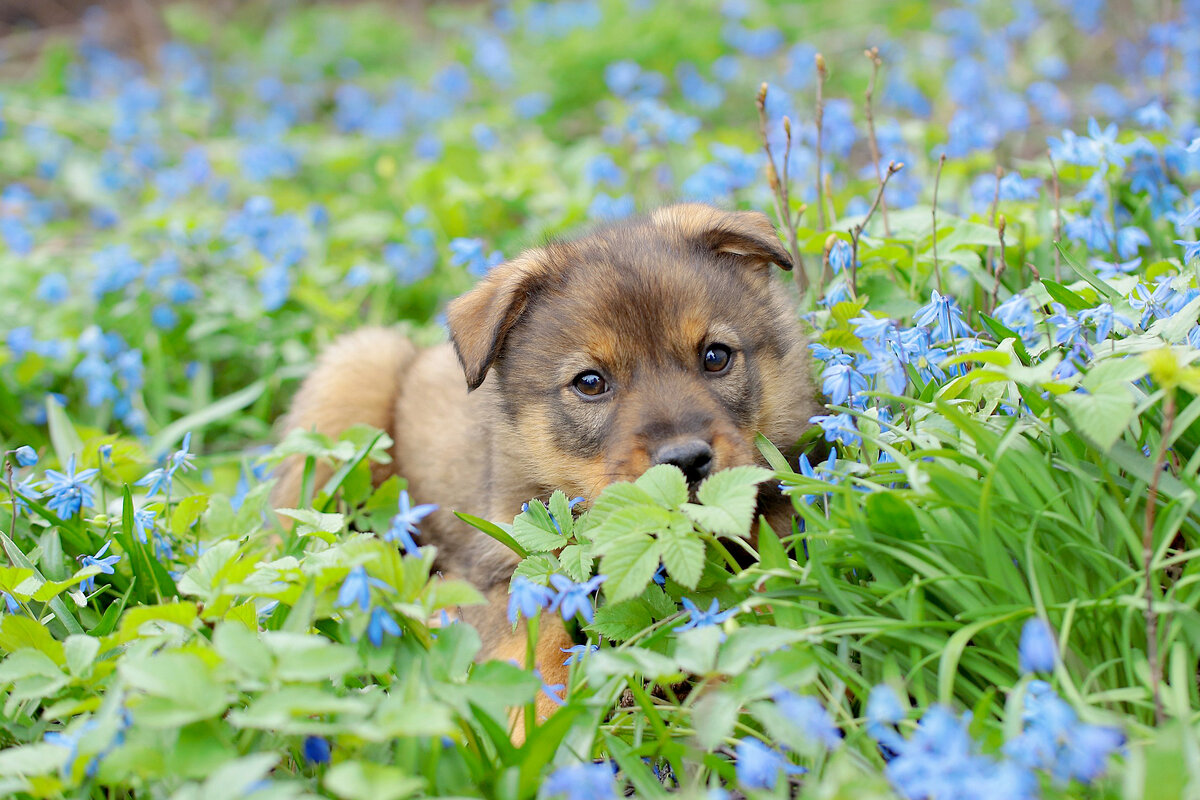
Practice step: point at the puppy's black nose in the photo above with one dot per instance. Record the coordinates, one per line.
(694, 457)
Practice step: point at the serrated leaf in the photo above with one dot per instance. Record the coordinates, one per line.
(576, 561)
(660, 603)
(620, 621)
(682, 554)
(735, 492)
(630, 519)
(629, 561)
(534, 539)
(665, 485)
(560, 510)
(617, 497)
(537, 568)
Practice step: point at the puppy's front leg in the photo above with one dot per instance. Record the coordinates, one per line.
(501, 640)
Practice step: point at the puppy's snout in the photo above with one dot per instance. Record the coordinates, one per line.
(694, 457)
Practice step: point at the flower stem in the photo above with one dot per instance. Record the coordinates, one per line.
(1148, 557)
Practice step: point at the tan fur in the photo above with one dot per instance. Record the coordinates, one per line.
(490, 421)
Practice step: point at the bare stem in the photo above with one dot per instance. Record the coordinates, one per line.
(937, 181)
(856, 233)
(873, 55)
(1148, 558)
(999, 266)
(1057, 218)
(779, 189)
(821, 73)
(12, 498)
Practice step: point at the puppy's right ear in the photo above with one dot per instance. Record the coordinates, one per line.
(480, 319)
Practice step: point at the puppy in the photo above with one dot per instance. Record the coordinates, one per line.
(664, 339)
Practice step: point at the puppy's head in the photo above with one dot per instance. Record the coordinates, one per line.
(660, 340)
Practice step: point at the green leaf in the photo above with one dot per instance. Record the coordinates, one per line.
(682, 554)
(534, 531)
(576, 561)
(1068, 298)
(560, 509)
(733, 493)
(665, 485)
(538, 568)
(221, 409)
(622, 620)
(1103, 415)
(19, 559)
(315, 523)
(629, 561)
(889, 514)
(187, 512)
(493, 530)
(63, 437)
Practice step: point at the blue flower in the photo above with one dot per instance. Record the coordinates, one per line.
(181, 459)
(404, 524)
(99, 560)
(25, 491)
(10, 603)
(528, 598)
(582, 782)
(557, 692)
(807, 714)
(143, 523)
(381, 622)
(578, 653)
(357, 588)
(883, 706)
(26, 456)
(838, 428)
(1053, 738)
(604, 206)
(702, 619)
(574, 598)
(155, 481)
(758, 766)
(68, 491)
(886, 365)
(1107, 270)
(1191, 250)
(1103, 317)
(828, 471)
(841, 382)
(1038, 651)
(943, 311)
(316, 749)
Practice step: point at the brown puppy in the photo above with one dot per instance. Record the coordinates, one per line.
(663, 339)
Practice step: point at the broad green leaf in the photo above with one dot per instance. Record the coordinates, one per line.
(733, 493)
(682, 554)
(560, 510)
(665, 485)
(629, 561)
(315, 523)
(576, 561)
(1103, 415)
(619, 621)
(535, 532)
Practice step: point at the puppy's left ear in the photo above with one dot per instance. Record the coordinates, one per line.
(741, 233)
(480, 319)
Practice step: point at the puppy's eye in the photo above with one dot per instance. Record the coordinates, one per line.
(716, 358)
(590, 384)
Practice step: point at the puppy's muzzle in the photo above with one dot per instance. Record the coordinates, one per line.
(694, 457)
